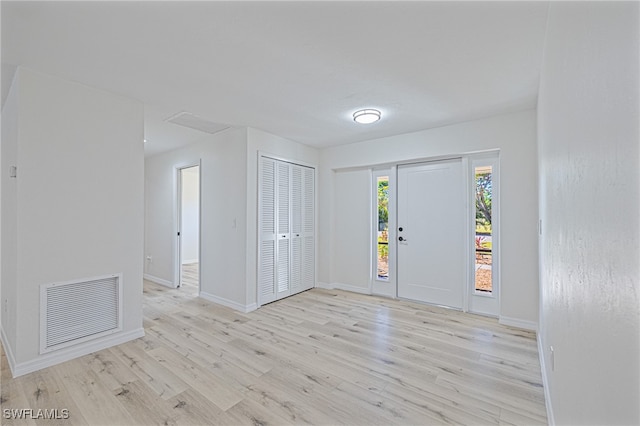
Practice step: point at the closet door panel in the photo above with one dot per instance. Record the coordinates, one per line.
(297, 197)
(296, 265)
(308, 263)
(308, 231)
(267, 272)
(267, 232)
(286, 258)
(282, 198)
(283, 208)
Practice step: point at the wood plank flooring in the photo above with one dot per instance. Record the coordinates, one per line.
(322, 357)
(190, 277)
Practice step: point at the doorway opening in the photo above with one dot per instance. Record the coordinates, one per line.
(188, 234)
(435, 232)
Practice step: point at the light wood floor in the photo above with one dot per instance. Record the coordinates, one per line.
(190, 278)
(320, 357)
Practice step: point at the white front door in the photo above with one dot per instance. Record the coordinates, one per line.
(431, 232)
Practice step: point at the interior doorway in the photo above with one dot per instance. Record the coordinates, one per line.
(188, 234)
(431, 234)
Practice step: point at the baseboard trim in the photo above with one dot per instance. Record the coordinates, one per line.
(228, 303)
(345, 287)
(518, 323)
(545, 383)
(57, 357)
(158, 280)
(323, 285)
(8, 350)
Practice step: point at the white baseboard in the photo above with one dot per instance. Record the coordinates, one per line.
(323, 285)
(345, 287)
(66, 354)
(228, 303)
(545, 383)
(8, 350)
(518, 323)
(189, 261)
(158, 281)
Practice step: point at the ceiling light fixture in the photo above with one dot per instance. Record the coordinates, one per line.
(366, 116)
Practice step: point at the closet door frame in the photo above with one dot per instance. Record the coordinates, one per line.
(277, 158)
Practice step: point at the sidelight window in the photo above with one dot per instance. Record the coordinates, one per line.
(383, 227)
(483, 229)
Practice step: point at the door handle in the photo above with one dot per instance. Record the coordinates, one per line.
(402, 239)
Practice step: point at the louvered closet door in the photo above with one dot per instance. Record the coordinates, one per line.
(296, 228)
(267, 231)
(283, 234)
(308, 244)
(286, 229)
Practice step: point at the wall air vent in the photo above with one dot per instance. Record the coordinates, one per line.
(76, 311)
(191, 121)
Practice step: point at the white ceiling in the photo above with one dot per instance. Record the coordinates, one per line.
(295, 69)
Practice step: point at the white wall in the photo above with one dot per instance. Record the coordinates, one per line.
(259, 141)
(515, 136)
(223, 173)
(351, 228)
(79, 199)
(589, 206)
(9, 216)
(190, 217)
(229, 193)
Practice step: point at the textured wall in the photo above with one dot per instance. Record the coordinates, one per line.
(589, 206)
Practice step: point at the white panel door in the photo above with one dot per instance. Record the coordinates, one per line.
(267, 231)
(431, 231)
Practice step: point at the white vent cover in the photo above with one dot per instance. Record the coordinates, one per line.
(191, 121)
(76, 311)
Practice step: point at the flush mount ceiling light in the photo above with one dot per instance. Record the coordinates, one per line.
(366, 116)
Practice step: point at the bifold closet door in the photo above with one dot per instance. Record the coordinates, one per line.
(283, 233)
(286, 229)
(297, 195)
(302, 229)
(308, 243)
(267, 231)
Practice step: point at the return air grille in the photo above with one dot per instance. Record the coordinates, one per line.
(77, 311)
(191, 121)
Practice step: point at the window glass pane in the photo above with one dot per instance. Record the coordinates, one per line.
(383, 228)
(483, 235)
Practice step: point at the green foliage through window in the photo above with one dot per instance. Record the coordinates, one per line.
(483, 201)
(383, 227)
